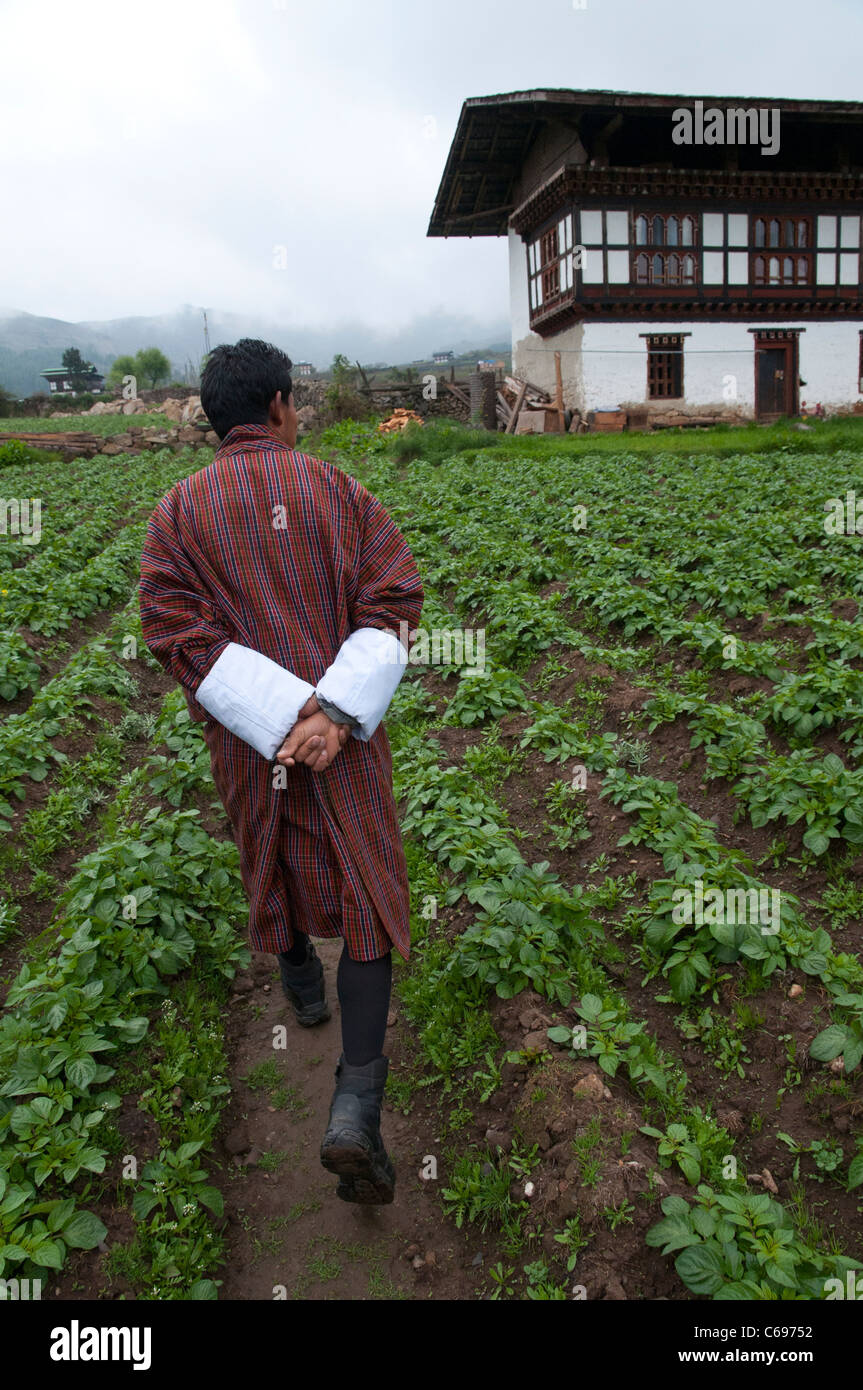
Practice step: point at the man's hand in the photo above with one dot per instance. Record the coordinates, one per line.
(315, 741)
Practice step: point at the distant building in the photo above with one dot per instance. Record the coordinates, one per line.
(442, 357)
(59, 381)
(485, 365)
(302, 369)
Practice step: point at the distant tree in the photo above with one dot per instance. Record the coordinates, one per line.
(341, 371)
(124, 365)
(7, 402)
(78, 370)
(151, 365)
(341, 398)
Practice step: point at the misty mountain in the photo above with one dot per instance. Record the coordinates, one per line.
(30, 344)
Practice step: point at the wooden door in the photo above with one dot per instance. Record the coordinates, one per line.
(776, 387)
(770, 385)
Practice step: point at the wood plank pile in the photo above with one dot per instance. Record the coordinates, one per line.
(523, 408)
(398, 420)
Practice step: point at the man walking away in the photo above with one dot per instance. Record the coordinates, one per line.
(273, 586)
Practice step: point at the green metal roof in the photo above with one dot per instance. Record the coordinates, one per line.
(67, 371)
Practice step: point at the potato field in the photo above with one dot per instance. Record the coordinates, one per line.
(628, 749)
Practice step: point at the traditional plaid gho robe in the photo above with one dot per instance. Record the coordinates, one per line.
(265, 577)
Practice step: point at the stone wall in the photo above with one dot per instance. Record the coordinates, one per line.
(309, 398)
(164, 393)
(385, 398)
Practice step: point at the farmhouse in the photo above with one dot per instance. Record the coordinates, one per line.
(682, 255)
(59, 380)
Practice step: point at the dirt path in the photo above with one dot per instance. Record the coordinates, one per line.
(288, 1234)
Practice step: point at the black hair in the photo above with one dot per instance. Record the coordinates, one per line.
(239, 382)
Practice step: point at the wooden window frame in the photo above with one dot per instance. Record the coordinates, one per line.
(791, 268)
(664, 249)
(802, 231)
(665, 366)
(550, 272)
(670, 268)
(549, 244)
(781, 250)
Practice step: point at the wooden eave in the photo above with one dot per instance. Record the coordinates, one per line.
(626, 134)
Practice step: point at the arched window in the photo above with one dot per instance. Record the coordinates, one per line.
(658, 266)
(786, 232)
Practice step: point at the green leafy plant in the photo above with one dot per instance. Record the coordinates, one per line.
(613, 1039)
(174, 1180)
(742, 1247)
(485, 696)
(573, 1241)
(479, 1193)
(676, 1146)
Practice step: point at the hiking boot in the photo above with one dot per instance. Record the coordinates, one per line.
(305, 990)
(352, 1146)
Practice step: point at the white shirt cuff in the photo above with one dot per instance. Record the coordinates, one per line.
(254, 697)
(363, 678)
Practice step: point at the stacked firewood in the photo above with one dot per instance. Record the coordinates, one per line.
(398, 420)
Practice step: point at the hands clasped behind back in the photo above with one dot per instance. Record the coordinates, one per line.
(315, 739)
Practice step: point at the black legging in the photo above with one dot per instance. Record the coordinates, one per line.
(364, 988)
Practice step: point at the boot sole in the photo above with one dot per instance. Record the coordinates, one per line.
(366, 1178)
(363, 1193)
(309, 1014)
(309, 1021)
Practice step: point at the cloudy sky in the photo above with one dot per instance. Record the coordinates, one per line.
(156, 155)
